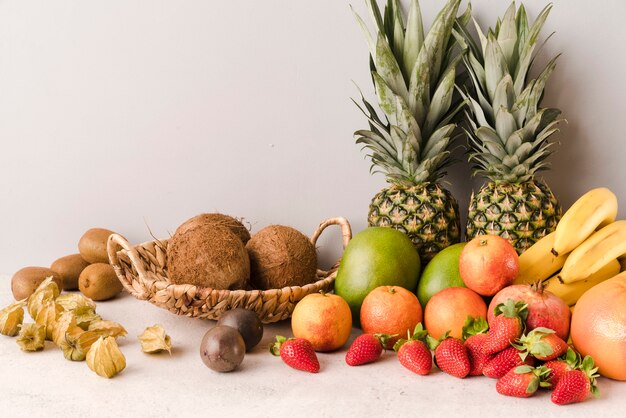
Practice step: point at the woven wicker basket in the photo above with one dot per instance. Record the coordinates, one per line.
(142, 270)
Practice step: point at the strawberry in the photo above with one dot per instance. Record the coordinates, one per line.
(507, 359)
(450, 356)
(413, 353)
(474, 333)
(366, 348)
(297, 353)
(558, 367)
(576, 385)
(506, 326)
(523, 381)
(542, 343)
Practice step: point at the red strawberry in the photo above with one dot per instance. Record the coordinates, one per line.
(507, 325)
(504, 361)
(451, 356)
(413, 353)
(474, 333)
(523, 381)
(576, 385)
(297, 353)
(366, 348)
(542, 343)
(559, 367)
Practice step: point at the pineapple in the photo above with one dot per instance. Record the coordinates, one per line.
(414, 77)
(508, 132)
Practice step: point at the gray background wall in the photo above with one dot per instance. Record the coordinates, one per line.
(121, 113)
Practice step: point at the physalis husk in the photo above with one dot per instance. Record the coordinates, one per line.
(46, 292)
(11, 318)
(154, 339)
(105, 358)
(32, 337)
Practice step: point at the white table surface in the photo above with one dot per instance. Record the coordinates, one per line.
(45, 384)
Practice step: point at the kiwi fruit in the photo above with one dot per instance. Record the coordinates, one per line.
(69, 268)
(99, 282)
(216, 219)
(27, 280)
(246, 322)
(222, 349)
(281, 256)
(208, 255)
(93, 245)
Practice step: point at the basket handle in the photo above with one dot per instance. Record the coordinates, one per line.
(113, 242)
(346, 231)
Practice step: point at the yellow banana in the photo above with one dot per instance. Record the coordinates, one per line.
(538, 263)
(596, 208)
(595, 252)
(571, 292)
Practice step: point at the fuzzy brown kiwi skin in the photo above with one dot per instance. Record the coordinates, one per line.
(208, 256)
(25, 281)
(216, 219)
(99, 282)
(281, 256)
(93, 245)
(69, 268)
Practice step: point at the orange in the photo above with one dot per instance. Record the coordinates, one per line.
(487, 264)
(448, 309)
(324, 319)
(390, 310)
(599, 326)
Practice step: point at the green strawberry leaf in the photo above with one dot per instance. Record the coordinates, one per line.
(523, 369)
(474, 326)
(533, 386)
(541, 348)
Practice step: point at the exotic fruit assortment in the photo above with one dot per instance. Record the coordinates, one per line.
(509, 131)
(414, 77)
(533, 300)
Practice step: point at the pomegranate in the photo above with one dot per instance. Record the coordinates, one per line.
(544, 308)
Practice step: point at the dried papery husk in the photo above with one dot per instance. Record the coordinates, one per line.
(74, 301)
(281, 256)
(32, 337)
(71, 346)
(47, 316)
(105, 358)
(85, 340)
(154, 339)
(65, 322)
(46, 292)
(106, 328)
(11, 318)
(85, 316)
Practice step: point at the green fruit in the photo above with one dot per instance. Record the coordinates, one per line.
(376, 257)
(440, 273)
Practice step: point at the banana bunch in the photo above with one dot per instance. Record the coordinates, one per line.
(587, 247)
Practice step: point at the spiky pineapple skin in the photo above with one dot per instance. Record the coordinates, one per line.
(522, 213)
(427, 213)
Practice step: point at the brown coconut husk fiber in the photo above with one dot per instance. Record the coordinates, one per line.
(210, 256)
(216, 219)
(281, 256)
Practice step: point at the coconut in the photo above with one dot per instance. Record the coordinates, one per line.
(216, 219)
(208, 255)
(281, 256)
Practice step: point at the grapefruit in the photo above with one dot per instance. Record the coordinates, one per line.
(598, 326)
(390, 310)
(440, 273)
(448, 309)
(376, 257)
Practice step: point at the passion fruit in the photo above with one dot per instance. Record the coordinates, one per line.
(246, 322)
(222, 348)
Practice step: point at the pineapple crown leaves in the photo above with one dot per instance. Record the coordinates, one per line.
(540, 376)
(508, 131)
(419, 334)
(512, 309)
(474, 326)
(414, 79)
